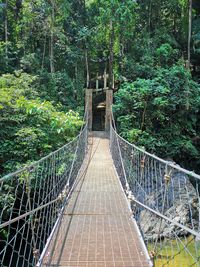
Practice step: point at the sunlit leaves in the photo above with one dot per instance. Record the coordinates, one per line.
(30, 127)
(161, 113)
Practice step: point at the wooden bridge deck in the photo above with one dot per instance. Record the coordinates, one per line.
(97, 229)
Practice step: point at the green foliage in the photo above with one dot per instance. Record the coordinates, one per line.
(166, 54)
(7, 60)
(30, 63)
(60, 88)
(30, 128)
(161, 113)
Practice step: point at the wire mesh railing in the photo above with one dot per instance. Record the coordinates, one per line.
(31, 201)
(165, 201)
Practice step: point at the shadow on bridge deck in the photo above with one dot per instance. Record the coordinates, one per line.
(97, 229)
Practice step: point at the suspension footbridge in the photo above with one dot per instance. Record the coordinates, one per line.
(100, 201)
(97, 228)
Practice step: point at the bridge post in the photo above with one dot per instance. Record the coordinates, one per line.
(97, 83)
(109, 102)
(104, 79)
(88, 106)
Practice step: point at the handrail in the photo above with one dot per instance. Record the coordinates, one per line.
(168, 163)
(32, 165)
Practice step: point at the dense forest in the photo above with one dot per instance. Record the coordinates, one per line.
(50, 50)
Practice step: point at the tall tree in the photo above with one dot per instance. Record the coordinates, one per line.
(6, 31)
(189, 32)
(51, 50)
(111, 44)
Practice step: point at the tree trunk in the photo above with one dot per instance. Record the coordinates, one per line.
(85, 43)
(143, 115)
(52, 69)
(189, 33)
(52, 54)
(87, 69)
(76, 82)
(6, 32)
(105, 78)
(97, 81)
(111, 80)
(149, 17)
(44, 50)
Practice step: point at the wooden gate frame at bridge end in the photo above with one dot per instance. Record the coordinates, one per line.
(89, 102)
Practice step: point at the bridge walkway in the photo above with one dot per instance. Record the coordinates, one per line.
(97, 229)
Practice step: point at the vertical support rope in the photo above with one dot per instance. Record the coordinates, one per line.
(35, 250)
(163, 209)
(77, 146)
(120, 155)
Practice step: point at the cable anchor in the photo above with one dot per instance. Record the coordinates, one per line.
(152, 254)
(36, 253)
(142, 164)
(64, 193)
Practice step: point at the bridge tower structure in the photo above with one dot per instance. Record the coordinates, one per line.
(89, 106)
